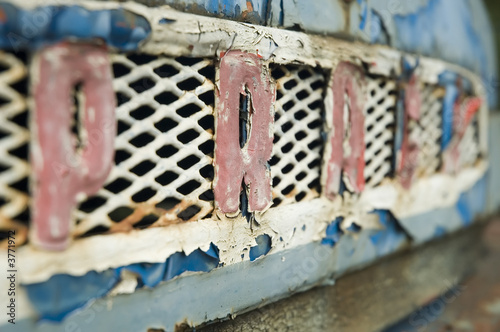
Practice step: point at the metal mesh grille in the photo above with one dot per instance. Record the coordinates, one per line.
(428, 131)
(164, 147)
(379, 129)
(469, 149)
(163, 169)
(14, 139)
(298, 143)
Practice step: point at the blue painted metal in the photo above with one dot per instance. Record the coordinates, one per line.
(364, 14)
(197, 261)
(464, 210)
(391, 238)
(354, 228)
(252, 11)
(427, 226)
(263, 246)
(333, 233)
(54, 302)
(61, 294)
(149, 274)
(439, 231)
(458, 31)
(385, 241)
(473, 202)
(42, 26)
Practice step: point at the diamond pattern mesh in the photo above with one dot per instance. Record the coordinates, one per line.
(379, 129)
(298, 142)
(428, 131)
(164, 147)
(163, 169)
(14, 140)
(469, 145)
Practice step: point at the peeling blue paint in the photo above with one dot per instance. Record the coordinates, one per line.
(42, 26)
(458, 31)
(354, 228)
(391, 238)
(262, 248)
(451, 30)
(333, 233)
(377, 31)
(364, 14)
(54, 302)
(254, 11)
(197, 261)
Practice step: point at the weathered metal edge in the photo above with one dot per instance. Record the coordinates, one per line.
(247, 285)
(373, 298)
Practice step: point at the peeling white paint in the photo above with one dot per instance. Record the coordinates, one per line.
(233, 235)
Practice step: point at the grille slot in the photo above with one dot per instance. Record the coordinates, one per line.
(428, 131)
(468, 147)
(379, 129)
(298, 139)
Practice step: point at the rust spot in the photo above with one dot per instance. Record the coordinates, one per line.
(3, 16)
(165, 217)
(21, 234)
(292, 193)
(249, 6)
